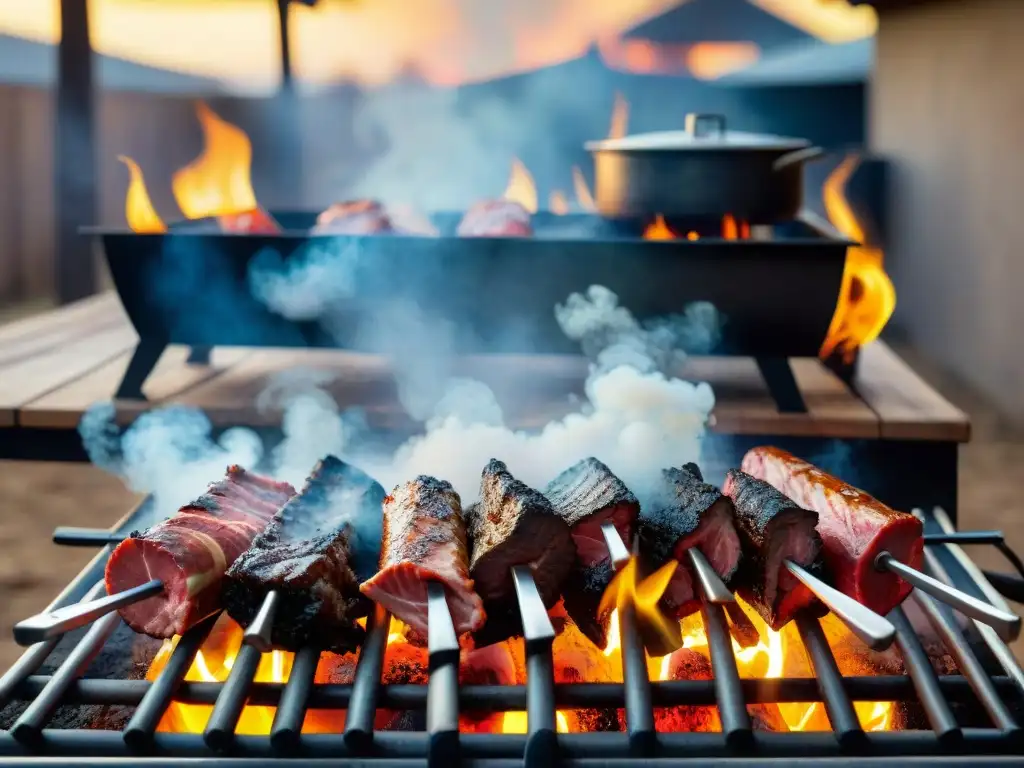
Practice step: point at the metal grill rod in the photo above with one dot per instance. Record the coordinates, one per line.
(838, 705)
(442, 682)
(220, 728)
(291, 711)
(538, 634)
(366, 684)
(260, 631)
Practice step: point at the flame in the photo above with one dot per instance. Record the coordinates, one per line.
(703, 61)
(138, 208)
(557, 203)
(867, 296)
(658, 230)
(620, 117)
(521, 188)
(515, 722)
(217, 183)
(731, 230)
(584, 198)
(644, 596)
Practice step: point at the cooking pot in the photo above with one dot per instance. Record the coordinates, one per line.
(703, 171)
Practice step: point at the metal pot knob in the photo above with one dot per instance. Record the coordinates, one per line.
(703, 126)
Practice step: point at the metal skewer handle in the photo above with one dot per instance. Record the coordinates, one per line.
(258, 633)
(876, 631)
(616, 547)
(46, 625)
(1007, 625)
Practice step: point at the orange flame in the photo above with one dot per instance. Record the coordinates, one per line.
(521, 188)
(658, 230)
(867, 296)
(138, 208)
(557, 203)
(620, 117)
(218, 182)
(644, 595)
(703, 61)
(584, 199)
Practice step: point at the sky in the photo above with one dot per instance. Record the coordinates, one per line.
(371, 41)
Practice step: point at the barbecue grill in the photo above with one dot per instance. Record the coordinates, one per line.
(33, 698)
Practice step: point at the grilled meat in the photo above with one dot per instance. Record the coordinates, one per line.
(772, 529)
(424, 540)
(305, 554)
(495, 218)
(586, 495)
(516, 525)
(687, 512)
(353, 217)
(254, 222)
(190, 552)
(854, 527)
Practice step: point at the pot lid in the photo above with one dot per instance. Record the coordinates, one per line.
(702, 132)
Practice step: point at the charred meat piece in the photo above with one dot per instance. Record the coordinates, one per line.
(353, 217)
(687, 512)
(424, 540)
(254, 222)
(772, 528)
(495, 218)
(306, 556)
(515, 525)
(586, 495)
(191, 551)
(854, 527)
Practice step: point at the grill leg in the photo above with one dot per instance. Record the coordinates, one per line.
(781, 384)
(147, 355)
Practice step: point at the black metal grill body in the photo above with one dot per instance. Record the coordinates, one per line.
(31, 742)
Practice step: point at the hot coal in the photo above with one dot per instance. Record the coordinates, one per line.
(586, 495)
(253, 222)
(514, 524)
(772, 529)
(854, 527)
(191, 551)
(424, 540)
(304, 555)
(686, 512)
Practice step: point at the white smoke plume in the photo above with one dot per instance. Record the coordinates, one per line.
(636, 417)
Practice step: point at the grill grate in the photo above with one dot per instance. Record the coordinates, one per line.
(442, 699)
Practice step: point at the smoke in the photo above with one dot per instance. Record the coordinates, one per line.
(636, 417)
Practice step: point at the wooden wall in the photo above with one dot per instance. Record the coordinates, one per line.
(947, 106)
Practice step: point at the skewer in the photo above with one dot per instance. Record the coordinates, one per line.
(616, 547)
(1006, 624)
(715, 590)
(69, 536)
(990, 592)
(876, 631)
(43, 626)
(963, 537)
(541, 741)
(258, 633)
(443, 681)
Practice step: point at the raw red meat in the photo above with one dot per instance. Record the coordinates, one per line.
(191, 551)
(854, 527)
(424, 540)
(254, 222)
(354, 217)
(495, 218)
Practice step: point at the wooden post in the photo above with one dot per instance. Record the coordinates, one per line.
(74, 155)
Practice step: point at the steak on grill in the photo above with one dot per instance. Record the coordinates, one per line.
(854, 527)
(515, 525)
(586, 495)
(353, 217)
(190, 552)
(424, 540)
(772, 529)
(687, 512)
(305, 554)
(495, 218)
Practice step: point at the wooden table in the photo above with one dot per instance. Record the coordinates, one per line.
(53, 367)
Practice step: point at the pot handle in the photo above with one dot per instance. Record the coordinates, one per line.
(704, 126)
(797, 157)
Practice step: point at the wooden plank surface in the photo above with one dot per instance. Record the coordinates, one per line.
(53, 367)
(907, 407)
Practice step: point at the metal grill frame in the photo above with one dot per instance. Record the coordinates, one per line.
(30, 742)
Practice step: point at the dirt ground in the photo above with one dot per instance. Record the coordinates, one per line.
(38, 497)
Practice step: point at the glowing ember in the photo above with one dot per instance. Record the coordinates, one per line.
(731, 230)
(218, 181)
(139, 211)
(521, 188)
(867, 297)
(658, 230)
